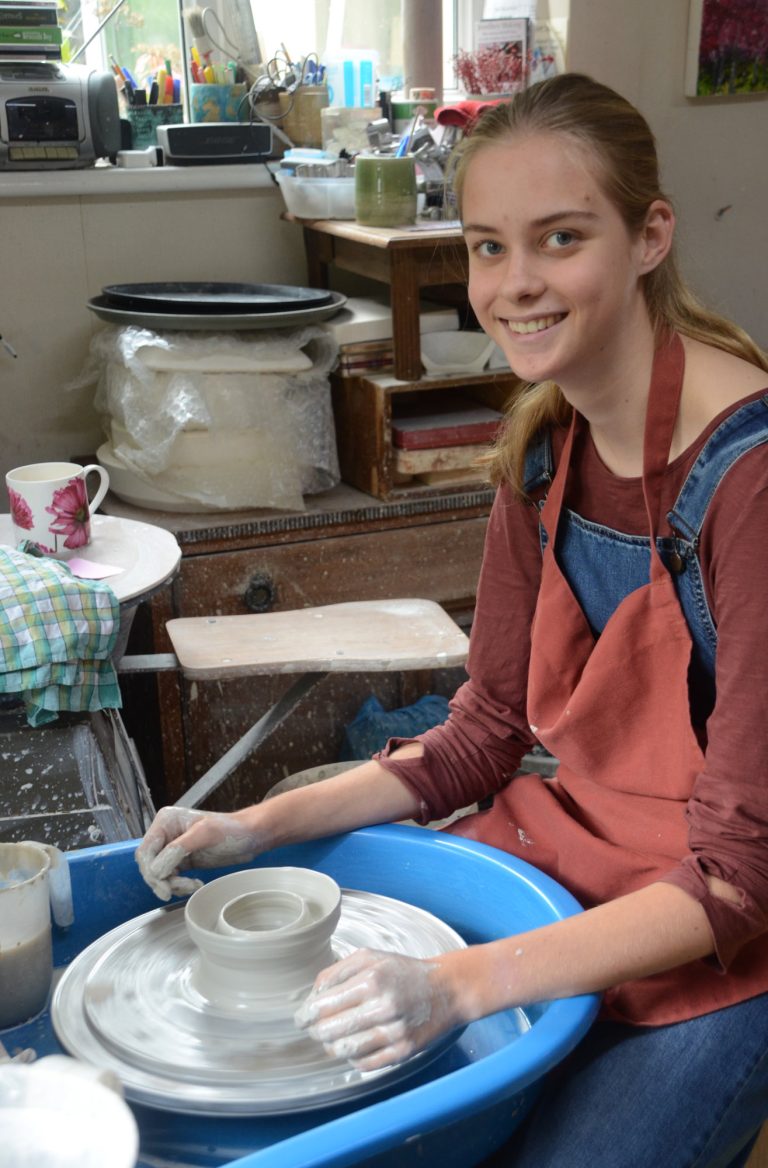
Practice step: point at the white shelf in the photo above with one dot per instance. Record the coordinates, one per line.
(116, 180)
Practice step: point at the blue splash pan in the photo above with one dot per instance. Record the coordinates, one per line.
(456, 1110)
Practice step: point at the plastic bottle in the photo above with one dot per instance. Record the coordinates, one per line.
(351, 78)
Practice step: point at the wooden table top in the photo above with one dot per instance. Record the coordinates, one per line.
(426, 233)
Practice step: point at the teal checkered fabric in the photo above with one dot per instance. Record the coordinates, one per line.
(57, 634)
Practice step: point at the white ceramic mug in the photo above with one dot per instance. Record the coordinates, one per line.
(49, 505)
(34, 881)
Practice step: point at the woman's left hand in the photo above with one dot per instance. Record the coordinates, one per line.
(377, 1008)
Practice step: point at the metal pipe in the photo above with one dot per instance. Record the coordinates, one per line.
(423, 44)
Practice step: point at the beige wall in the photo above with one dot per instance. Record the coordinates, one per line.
(56, 253)
(713, 151)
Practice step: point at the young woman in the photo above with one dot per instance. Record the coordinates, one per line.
(621, 622)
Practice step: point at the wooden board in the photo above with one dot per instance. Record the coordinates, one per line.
(417, 462)
(367, 635)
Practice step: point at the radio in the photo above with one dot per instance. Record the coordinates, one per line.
(210, 143)
(56, 116)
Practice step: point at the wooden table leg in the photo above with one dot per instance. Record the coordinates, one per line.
(405, 316)
(318, 250)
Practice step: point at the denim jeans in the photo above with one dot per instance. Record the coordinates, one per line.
(690, 1095)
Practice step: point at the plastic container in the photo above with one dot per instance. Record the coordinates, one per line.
(217, 103)
(456, 1110)
(318, 198)
(301, 111)
(61, 1113)
(403, 113)
(144, 120)
(345, 128)
(351, 78)
(27, 894)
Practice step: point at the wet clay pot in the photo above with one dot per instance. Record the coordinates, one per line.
(262, 936)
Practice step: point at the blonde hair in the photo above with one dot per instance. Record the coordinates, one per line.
(624, 147)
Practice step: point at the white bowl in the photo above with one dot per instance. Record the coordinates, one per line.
(455, 352)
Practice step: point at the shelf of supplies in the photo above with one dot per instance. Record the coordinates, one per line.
(363, 410)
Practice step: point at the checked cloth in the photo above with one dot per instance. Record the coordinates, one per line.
(57, 634)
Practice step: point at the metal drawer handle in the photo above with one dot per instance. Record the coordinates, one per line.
(261, 593)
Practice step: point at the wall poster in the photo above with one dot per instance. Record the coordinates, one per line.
(727, 48)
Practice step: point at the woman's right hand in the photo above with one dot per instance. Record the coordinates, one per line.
(182, 837)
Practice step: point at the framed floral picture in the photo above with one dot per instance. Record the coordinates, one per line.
(727, 48)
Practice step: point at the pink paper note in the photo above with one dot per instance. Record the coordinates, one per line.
(89, 570)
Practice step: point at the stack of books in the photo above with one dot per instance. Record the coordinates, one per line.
(441, 439)
(30, 30)
(362, 357)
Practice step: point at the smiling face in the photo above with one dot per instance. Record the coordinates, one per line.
(554, 274)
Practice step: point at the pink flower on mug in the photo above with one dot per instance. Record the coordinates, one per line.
(70, 506)
(21, 512)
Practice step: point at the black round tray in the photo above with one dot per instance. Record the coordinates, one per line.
(211, 298)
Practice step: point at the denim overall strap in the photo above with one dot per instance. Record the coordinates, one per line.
(539, 463)
(539, 470)
(622, 559)
(741, 432)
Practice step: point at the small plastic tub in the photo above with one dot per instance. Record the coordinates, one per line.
(318, 198)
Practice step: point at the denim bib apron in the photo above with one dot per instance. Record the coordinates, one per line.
(603, 566)
(608, 696)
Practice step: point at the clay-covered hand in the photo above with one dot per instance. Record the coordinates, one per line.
(181, 837)
(377, 1008)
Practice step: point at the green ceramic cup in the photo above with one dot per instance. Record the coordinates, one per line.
(385, 191)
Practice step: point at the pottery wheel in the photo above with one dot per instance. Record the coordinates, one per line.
(128, 1003)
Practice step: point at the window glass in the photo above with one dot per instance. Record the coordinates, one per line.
(139, 36)
(329, 26)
